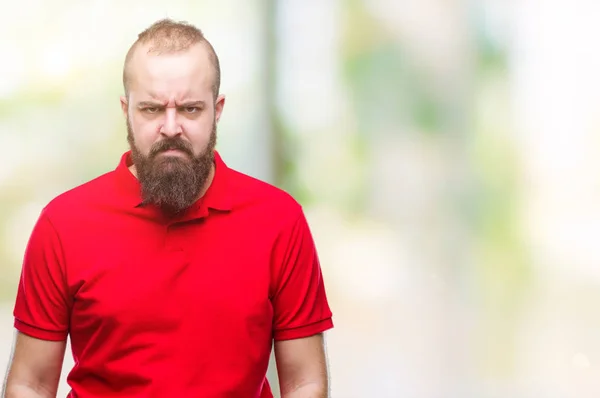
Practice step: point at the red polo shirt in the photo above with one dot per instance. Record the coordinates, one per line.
(171, 308)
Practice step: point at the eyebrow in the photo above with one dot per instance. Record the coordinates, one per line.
(199, 104)
(152, 104)
(149, 104)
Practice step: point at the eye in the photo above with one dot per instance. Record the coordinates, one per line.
(191, 109)
(151, 109)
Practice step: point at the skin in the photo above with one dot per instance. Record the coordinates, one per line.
(302, 367)
(169, 95)
(34, 368)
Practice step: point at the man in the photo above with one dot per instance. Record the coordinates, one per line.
(173, 274)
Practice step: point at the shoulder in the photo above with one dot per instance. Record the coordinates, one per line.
(80, 198)
(251, 192)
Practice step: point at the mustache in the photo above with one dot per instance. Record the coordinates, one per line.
(170, 143)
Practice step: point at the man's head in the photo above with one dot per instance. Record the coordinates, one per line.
(172, 105)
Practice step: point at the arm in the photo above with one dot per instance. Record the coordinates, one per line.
(302, 367)
(41, 313)
(301, 314)
(34, 368)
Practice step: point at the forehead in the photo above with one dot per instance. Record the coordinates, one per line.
(171, 75)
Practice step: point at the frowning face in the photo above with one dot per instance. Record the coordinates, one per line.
(171, 117)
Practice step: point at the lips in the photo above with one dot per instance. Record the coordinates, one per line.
(173, 151)
(171, 144)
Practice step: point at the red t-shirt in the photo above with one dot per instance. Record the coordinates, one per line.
(171, 308)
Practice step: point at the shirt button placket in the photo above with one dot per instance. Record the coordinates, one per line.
(172, 244)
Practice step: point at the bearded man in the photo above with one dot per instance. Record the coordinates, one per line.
(172, 275)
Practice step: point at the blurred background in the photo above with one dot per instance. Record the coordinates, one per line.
(444, 151)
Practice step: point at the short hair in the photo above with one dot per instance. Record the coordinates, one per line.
(167, 36)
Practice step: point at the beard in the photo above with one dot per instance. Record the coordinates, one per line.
(172, 183)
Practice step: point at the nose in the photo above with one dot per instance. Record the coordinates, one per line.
(171, 126)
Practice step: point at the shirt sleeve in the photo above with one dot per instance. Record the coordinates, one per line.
(300, 306)
(42, 304)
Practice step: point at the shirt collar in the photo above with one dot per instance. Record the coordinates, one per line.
(217, 197)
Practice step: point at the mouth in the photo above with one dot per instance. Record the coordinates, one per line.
(173, 152)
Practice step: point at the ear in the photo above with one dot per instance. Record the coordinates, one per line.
(219, 104)
(124, 106)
